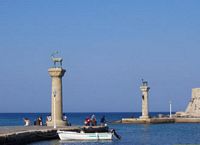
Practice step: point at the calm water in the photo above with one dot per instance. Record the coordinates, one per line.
(135, 134)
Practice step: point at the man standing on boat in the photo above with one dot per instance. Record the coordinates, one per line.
(93, 120)
(103, 121)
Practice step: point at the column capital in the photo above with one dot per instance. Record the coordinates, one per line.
(144, 88)
(56, 72)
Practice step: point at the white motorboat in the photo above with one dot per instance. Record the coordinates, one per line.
(69, 135)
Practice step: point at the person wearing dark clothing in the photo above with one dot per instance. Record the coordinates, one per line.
(103, 121)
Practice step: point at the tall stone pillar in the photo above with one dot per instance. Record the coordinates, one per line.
(145, 108)
(56, 74)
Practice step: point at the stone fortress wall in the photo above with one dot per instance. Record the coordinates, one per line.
(193, 108)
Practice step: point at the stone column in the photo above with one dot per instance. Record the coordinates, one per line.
(145, 108)
(56, 97)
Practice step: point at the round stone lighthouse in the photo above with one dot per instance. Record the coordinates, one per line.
(56, 73)
(145, 108)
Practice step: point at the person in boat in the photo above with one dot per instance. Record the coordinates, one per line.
(103, 121)
(87, 121)
(27, 122)
(93, 120)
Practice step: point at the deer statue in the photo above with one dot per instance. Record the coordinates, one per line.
(144, 83)
(56, 59)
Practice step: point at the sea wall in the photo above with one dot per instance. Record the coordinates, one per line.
(147, 121)
(187, 120)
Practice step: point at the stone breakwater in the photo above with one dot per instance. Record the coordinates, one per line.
(158, 120)
(23, 135)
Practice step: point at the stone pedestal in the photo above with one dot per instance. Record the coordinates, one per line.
(56, 97)
(145, 108)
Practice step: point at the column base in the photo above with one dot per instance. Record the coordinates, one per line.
(144, 117)
(58, 123)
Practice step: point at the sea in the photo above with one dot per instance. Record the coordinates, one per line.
(131, 134)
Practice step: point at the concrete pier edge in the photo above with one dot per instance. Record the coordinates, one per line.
(25, 135)
(157, 120)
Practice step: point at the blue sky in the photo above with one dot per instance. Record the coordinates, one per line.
(107, 47)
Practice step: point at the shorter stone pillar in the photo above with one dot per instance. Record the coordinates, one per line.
(145, 108)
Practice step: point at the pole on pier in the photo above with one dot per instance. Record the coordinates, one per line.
(54, 109)
(170, 109)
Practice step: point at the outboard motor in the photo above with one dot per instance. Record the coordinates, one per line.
(115, 134)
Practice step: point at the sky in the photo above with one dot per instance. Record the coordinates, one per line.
(107, 47)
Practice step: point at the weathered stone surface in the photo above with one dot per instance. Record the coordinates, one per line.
(193, 108)
(147, 121)
(56, 97)
(187, 120)
(145, 108)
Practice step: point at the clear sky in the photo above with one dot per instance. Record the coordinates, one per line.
(107, 47)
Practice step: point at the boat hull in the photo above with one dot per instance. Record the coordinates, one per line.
(67, 135)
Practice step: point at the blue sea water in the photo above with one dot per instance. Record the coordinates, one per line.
(132, 134)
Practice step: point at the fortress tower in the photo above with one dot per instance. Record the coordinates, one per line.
(193, 108)
(144, 89)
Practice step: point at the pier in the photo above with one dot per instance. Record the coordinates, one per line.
(147, 121)
(20, 135)
(192, 114)
(157, 120)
